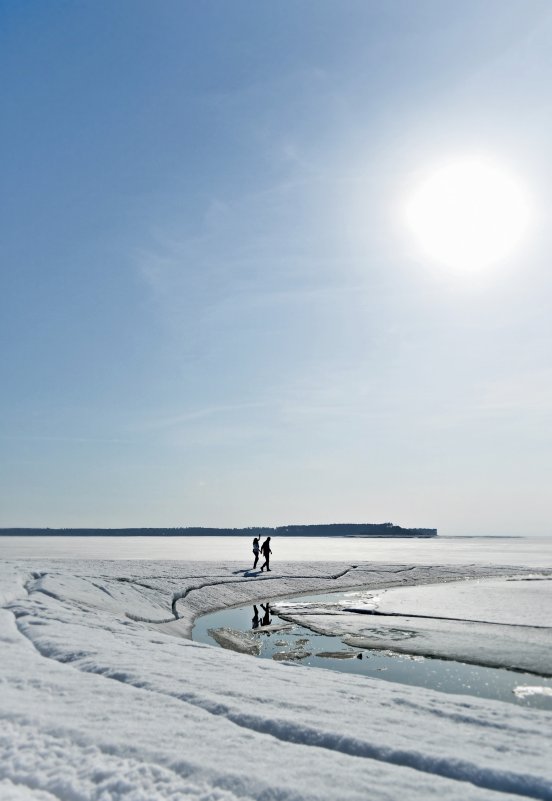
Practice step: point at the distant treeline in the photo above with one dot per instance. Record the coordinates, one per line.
(322, 530)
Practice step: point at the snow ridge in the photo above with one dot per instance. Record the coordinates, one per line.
(290, 732)
(182, 594)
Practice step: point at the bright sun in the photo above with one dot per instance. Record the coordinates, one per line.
(468, 214)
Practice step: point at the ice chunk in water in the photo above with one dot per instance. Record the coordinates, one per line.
(292, 654)
(242, 641)
(340, 655)
(525, 691)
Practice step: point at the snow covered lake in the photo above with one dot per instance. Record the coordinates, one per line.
(104, 696)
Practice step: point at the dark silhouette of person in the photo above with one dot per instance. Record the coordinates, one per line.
(266, 621)
(256, 551)
(265, 548)
(255, 620)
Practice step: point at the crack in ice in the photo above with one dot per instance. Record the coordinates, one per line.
(377, 613)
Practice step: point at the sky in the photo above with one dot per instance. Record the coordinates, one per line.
(212, 311)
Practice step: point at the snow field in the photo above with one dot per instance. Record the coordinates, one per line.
(99, 705)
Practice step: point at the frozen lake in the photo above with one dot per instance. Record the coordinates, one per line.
(521, 551)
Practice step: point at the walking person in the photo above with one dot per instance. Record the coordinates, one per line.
(265, 548)
(256, 551)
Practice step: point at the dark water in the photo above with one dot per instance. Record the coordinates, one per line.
(436, 674)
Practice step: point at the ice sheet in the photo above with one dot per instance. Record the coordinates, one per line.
(517, 600)
(495, 622)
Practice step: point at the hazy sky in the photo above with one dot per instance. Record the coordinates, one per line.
(212, 312)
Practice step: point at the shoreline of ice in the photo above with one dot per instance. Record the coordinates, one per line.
(98, 703)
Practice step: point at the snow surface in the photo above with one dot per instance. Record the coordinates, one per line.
(516, 551)
(103, 697)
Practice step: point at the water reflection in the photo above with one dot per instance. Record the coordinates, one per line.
(265, 620)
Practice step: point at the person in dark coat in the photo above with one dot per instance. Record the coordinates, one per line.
(265, 548)
(256, 551)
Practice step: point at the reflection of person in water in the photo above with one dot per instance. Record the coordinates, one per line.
(266, 621)
(255, 621)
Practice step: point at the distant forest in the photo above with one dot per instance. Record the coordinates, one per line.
(322, 530)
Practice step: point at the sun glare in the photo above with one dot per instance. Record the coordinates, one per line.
(468, 214)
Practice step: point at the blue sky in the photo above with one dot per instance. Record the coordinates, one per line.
(211, 310)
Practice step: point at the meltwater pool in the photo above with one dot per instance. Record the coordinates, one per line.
(256, 631)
